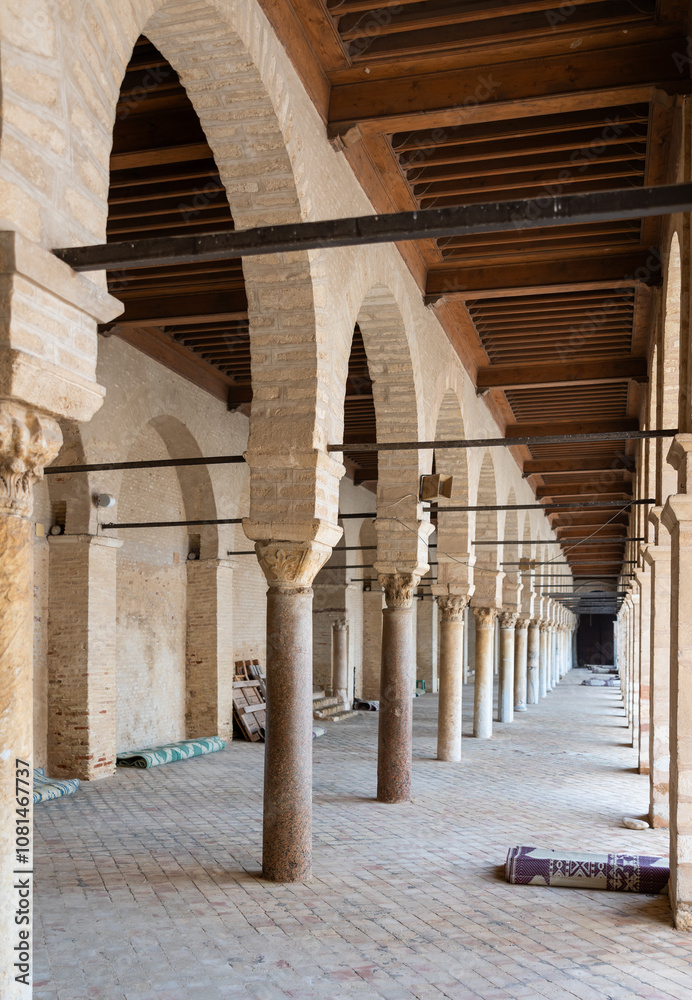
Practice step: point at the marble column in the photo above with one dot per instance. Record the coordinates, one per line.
(451, 667)
(340, 660)
(82, 696)
(521, 664)
(533, 662)
(290, 569)
(543, 659)
(394, 736)
(644, 669)
(28, 442)
(485, 659)
(505, 697)
(658, 558)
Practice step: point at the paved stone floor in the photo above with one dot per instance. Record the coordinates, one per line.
(148, 883)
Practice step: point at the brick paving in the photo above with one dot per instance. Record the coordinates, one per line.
(148, 887)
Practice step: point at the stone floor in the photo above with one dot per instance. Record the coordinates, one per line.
(148, 883)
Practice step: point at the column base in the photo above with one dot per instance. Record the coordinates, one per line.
(520, 708)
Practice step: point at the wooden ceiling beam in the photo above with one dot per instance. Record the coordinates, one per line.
(547, 466)
(583, 489)
(538, 430)
(609, 77)
(592, 272)
(562, 373)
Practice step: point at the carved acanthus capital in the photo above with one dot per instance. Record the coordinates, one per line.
(545, 625)
(398, 588)
(523, 623)
(453, 607)
(485, 617)
(28, 442)
(508, 619)
(291, 566)
(339, 624)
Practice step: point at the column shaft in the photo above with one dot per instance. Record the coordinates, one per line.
(396, 713)
(533, 660)
(287, 833)
(505, 698)
(520, 665)
(483, 687)
(451, 668)
(659, 683)
(340, 660)
(543, 662)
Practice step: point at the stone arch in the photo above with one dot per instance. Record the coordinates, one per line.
(454, 529)
(669, 387)
(487, 569)
(398, 418)
(237, 77)
(512, 580)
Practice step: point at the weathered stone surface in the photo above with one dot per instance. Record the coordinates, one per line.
(634, 824)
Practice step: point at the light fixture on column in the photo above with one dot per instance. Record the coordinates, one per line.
(437, 487)
(104, 500)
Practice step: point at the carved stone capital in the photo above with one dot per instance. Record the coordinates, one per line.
(28, 442)
(453, 607)
(545, 625)
(508, 619)
(289, 566)
(339, 624)
(398, 588)
(523, 623)
(485, 617)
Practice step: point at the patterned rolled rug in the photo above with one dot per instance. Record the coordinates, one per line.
(153, 756)
(52, 788)
(622, 872)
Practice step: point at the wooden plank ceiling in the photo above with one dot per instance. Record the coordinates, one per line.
(445, 103)
(449, 103)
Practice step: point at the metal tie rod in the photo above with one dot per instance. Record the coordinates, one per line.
(432, 223)
(172, 524)
(163, 463)
(503, 442)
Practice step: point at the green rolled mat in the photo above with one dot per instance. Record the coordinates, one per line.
(168, 752)
(52, 788)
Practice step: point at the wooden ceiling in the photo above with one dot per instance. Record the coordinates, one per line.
(452, 103)
(445, 103)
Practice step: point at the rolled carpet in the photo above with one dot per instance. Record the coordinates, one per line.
(621, 872)
(153, 756)
(604, 682)
(52, 788)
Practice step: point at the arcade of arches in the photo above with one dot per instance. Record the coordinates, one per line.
(128, 119)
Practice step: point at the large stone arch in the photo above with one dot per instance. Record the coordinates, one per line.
(669, 358)
(237, 77)
(454, 531)
(487, 568)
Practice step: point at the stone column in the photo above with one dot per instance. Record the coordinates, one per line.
(533, 662)
(644, 669)
(451, 665)
(485, 658)
(340, 660)
(505, 697)
(28, 442)
(396, 711)
(209, 664)
(290, 569)
(543, 659)
(82, 717)
(521, 664)
(658, 558)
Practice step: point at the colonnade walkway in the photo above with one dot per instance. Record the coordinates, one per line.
(148, 888)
